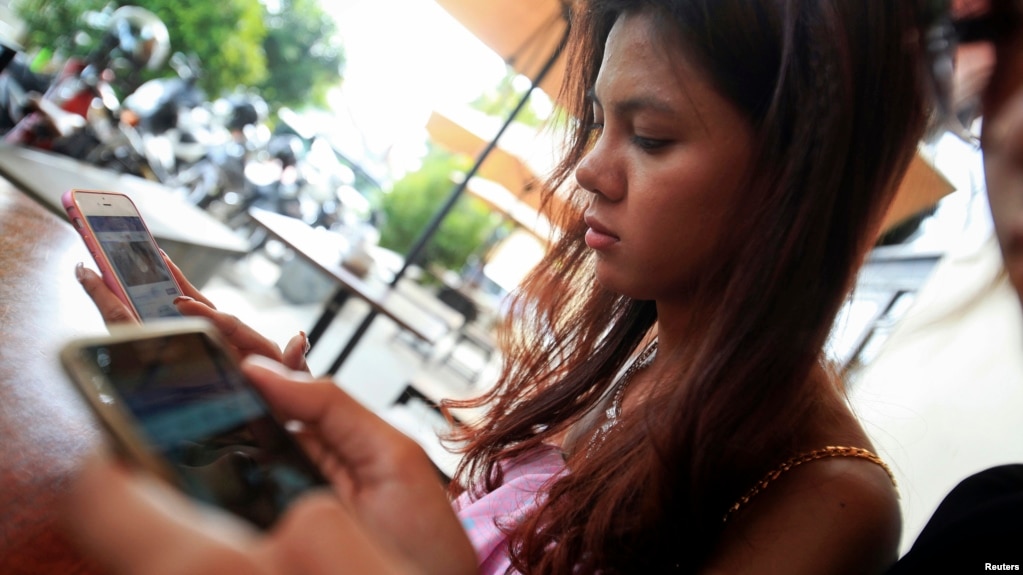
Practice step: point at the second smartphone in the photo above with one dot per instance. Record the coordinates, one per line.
(125, 251)
(175, 402)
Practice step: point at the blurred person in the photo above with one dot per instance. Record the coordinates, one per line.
(979, 525)
(665, 404)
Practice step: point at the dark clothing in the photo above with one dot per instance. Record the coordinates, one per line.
(979, 523)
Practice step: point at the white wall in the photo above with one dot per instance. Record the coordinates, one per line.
(944, 398)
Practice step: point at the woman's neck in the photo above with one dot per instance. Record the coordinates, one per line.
(678, 328)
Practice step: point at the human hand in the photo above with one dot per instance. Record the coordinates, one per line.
(382, 476)
(133, 523)
(242, 338)
(388, 513)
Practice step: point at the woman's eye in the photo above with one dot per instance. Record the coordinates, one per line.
(649, 144)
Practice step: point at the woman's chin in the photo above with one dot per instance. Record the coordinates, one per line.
(620, 282)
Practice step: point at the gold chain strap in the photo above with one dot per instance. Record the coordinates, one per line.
(829, 451)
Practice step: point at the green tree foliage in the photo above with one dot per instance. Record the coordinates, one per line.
(412, 202)
(303, 51)
(500, 100)
(51, 24)
(291, 54)
(226, 35)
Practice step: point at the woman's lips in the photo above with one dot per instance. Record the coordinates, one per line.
(598, 237)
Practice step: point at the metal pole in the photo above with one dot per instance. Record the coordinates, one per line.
(449, 203)
(431, 228)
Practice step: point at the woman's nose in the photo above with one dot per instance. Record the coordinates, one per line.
(596, 173)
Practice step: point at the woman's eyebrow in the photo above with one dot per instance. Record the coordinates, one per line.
(641, 102)
(634, 103)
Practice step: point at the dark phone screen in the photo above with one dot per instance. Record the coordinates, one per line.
(195, 408)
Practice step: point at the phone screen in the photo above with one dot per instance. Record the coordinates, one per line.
(195, 409)
(137, 263)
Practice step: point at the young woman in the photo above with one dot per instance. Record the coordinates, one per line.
(733, 161)
(666, 403)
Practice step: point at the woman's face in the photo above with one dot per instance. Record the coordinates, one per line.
(666, 167)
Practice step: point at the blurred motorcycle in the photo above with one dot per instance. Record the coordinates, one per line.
(229, 134)
(79, 111)
(171, 118)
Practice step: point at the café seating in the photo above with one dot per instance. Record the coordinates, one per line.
(471, 334)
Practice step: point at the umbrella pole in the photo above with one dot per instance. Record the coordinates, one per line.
(449, 203)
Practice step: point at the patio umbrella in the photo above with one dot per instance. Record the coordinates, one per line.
(523, 32)
(534, 50)
(468, 132)
(519, 163)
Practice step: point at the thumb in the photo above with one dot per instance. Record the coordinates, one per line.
(349, 430)
(111, 308)
(295, 351)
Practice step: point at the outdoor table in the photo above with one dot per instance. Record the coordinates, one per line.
(45, 428)
(427, 322)
(196, 241)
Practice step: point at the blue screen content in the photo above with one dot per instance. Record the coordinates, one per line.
(138, 264)
(196, 410)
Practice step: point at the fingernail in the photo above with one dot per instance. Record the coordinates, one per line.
(307, 345)
(80, 272)
(182, 299)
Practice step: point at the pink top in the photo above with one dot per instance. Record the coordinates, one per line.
(525, 482)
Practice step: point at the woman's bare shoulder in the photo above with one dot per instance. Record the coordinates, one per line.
(832, 515)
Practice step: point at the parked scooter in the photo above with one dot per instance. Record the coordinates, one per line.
(80, 110)
(233, 135)
(16, 83)
(272, 182)
(171, 119)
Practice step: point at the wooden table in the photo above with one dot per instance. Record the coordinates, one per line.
(427, 322)
(45, 429)
(196, 241)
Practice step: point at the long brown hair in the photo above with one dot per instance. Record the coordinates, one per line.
(833, 91)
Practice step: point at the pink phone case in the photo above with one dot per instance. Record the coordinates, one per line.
(106, 269)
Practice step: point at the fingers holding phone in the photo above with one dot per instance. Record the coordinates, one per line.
(177, 406)
(128, 257)
(111, 308)
(140, 283)
(245, 340)
(380, 473)
(187, 289)
(133, 524)
(175, 402)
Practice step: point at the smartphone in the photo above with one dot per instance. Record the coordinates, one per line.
(175, 402)
(125, 251)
